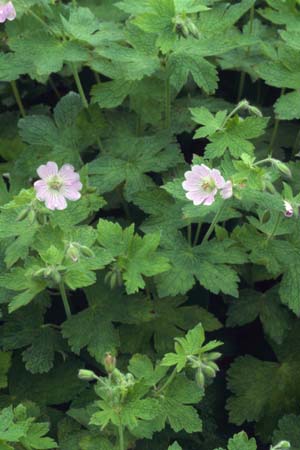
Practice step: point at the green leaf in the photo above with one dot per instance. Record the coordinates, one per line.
(236, 137)
(166, 320)
(241, 441)
(185, 60)
(210, 123)
(175, 407)
(94, 327)
(186, 346)
(129, 159)
(276, 320)
(254, 386)
(36, 438)
(59, 385)
(111, 93)
(208, 263)
(135, 256)
(287, 107)
(174, 446)
(290, 287)
(288, 429)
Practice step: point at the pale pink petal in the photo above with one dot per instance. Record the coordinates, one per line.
(68, 174)
(70, 193)
(191, 186)
(218, 179)
(41, 189)
(202, 170)
(226, 192)
(10, 11)
(47, 170)
(196, 197)
(55, 200)
(210, 199)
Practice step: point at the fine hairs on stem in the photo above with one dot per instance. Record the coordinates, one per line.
(64, 297)
(17, 96)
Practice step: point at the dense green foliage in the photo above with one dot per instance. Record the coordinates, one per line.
(132, 317)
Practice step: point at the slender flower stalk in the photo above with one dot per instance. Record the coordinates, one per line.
(16, 93)
(213, 224)
(64, 297)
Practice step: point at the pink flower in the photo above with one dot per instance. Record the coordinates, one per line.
(289, 211)
(7, 12)
(56, 185)
(202, 185)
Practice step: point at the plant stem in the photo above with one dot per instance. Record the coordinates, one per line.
(189, 234)
(18, 97)
(51, 82)
(168, 382)
(196, 238)
(64, 297)
(243, 74)
(167, 103)
(41, 21)
(275, 130)
(84, 99)
(79, 86)
(121, 436)
(97, 77)
(213, 224)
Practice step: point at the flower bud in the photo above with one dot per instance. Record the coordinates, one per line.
(86, 251)
(208, 371)
(212, 356)
(282, 445)
(23, 214)
(87, 375)
(283, 168)
(192, 29)
(200, 379)
(289, 210)
(110, 362)
(73, 253)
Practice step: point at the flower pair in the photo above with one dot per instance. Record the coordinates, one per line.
(202, 185)
(7, 12)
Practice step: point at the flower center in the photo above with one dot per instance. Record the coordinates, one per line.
(55, 182)
(208, 184)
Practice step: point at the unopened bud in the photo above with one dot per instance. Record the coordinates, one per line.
(193, 29)
(87, 375)
(282, 445)
(23, 214)
(73, 253)
(110, 362)
(91, 189)
(212, 356)
(86, 251)
(289, 210)
(283, 168)
(200, 379)
(208, 371)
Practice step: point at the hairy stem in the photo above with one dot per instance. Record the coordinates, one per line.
(189, 233)
(54, 88)
(16, 93)
(168, 382)
(84, 99)
(213, 224)
(275, 130)
(198, 230)
(121, 436)
(64, 297)
(79, 85)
